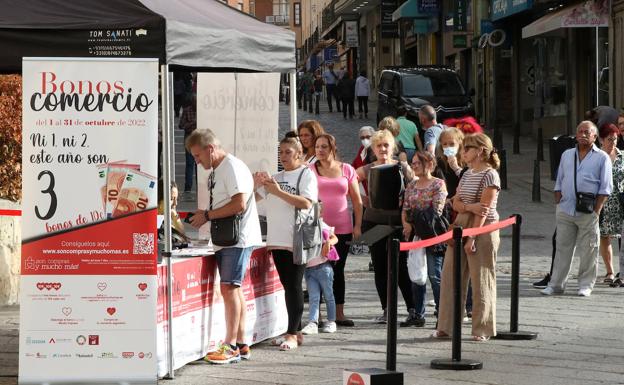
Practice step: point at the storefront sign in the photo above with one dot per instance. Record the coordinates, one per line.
(504, 8)
(88, 285)
(389, 28)
(460, 18)
(591, 13)
(428, 6)
(460, 41)
(351, 34)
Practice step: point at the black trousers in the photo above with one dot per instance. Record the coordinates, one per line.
(307, 102)
(348, 103)
(291, 277)
(362, 102)
(331, 89)
(379, 255)
(317, 98)
(339, 266)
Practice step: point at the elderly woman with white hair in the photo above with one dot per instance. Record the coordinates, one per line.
(365, 153)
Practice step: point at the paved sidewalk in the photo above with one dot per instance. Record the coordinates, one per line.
(580, 339)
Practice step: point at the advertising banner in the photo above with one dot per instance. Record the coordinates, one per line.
(198, 310)
(352, 34)
(389, 29)
(88, 285)
(242, 109)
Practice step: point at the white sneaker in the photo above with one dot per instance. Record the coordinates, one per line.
(547, 291)
(329, 327)
(310, 328)
(584, 292)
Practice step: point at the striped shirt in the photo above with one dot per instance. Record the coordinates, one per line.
(471, 188)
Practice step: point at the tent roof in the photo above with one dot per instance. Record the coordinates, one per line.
(208, 33)
(191, 33)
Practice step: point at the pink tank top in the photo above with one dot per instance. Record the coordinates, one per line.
(334, 192)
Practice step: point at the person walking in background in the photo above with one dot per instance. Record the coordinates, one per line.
(382, 143)
(331, 78)
(230, 187)
(583, 169)
(362, 92)
(307, 88)
(347, 95)
(429, 123)
(423, 193)
(280, 193)
(318, 91)
(308, 131)
(612, 215)
(188, 123)
(475, 203)
(337, 182)
(408, 135)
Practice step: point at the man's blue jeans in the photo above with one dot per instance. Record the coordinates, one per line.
(434, 271)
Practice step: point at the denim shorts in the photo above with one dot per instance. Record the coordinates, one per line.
(232, 263)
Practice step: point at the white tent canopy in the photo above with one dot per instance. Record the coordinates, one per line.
(203, 33)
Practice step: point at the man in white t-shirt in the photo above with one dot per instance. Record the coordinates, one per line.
(231, 194)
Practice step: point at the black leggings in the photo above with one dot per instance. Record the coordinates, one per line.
(339, 266)
(291, 277)
(379, 255)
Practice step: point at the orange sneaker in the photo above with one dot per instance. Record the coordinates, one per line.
(245, 351)
(224, 355)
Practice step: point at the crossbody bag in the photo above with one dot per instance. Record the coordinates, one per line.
(585, 202)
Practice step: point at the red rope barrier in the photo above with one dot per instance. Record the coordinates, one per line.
(11, 213)
(473, 231)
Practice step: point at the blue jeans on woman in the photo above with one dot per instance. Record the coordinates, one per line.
(434, 271)
(320, 278)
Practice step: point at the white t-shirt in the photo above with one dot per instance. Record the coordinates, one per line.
(231, 177)
(281, 215)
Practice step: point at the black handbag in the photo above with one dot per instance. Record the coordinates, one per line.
(585, 202)
(428, 223)
(225, 232)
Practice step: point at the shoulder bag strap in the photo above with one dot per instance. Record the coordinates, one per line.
(297, 190)
(575, 165)
(211, 182)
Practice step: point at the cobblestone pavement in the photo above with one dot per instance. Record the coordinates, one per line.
(580, 339)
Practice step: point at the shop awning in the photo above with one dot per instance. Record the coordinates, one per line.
(592, 13)
(409, 10)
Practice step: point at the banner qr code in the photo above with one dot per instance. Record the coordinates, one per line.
(143, 243)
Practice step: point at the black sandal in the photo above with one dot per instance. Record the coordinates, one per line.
(345, 322)
(617, 283)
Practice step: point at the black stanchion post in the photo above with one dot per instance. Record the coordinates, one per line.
(537, 188)
(513, 333)
(391, 306)
(456, 362)
(540, 144)
(516, 139)
(503, 168)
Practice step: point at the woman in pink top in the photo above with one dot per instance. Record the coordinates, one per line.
(337, 181)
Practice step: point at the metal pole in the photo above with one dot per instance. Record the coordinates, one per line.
(540, 143)
(503, 168)
(513, 333)
(166, 89)
(293, 100)
(391, 303)
(597, 71)
(537, 188)
(456, 362)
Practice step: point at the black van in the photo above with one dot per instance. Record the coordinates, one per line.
(414, 87)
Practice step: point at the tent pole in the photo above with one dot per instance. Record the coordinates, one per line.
(597, 71)
(293, 99)
(166, 149)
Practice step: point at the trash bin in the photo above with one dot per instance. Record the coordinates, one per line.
(557, 146)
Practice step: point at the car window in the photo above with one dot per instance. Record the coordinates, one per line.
(432, 84)
(395, 85)
(386, 82)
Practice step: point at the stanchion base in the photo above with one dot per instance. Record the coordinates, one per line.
(520, 335)
(450, 364)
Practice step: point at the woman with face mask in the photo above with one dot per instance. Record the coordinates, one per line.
(449, 164)
(365, 153)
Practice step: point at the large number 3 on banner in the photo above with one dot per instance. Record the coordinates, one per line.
(49, 190)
